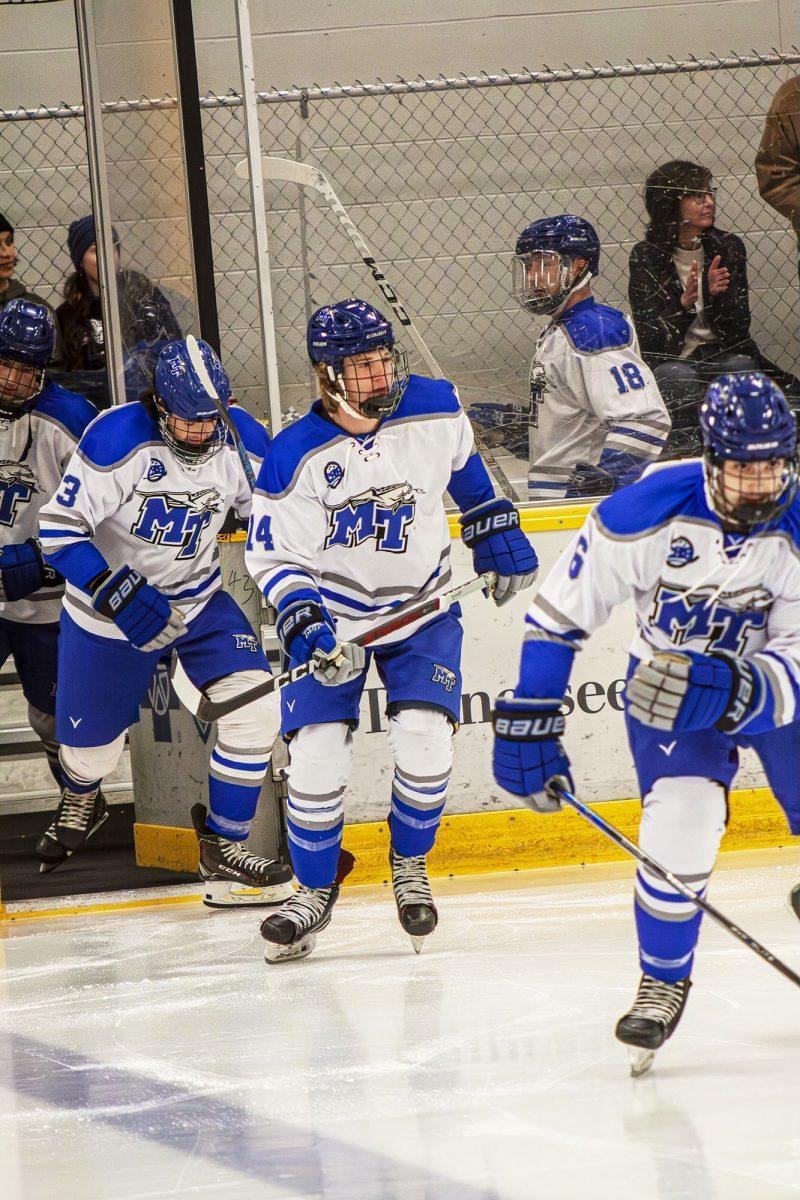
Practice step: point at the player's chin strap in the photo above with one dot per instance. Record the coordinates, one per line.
(205, 709)
(584, 277)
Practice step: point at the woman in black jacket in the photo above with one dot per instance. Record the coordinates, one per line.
(689, 298)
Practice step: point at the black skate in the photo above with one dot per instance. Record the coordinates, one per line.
(291, 932)
(652, 1020)
(412, 891)
(233, 877)
(78, 817)
(793, 900)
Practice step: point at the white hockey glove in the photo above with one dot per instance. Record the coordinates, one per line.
(339, 665)
(175, 627)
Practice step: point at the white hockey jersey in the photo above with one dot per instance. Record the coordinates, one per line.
(126, 495)
(694, 587)
(361, 520)
(34, 450)
(593, 400)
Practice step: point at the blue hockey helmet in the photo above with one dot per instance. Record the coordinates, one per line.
(190, 385)
(27, 343)
(345, 330)
(542, 277)
(746, 419)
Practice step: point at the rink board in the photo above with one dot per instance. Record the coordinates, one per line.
(481, 831)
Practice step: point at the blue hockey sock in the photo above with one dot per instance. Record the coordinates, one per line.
(234, 785)
(315, 821)
(668, 927)
(417, 807)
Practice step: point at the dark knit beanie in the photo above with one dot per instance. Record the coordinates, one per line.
(81, 236)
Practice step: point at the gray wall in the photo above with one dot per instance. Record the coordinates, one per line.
(319, 41)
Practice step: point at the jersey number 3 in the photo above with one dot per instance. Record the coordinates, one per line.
(628, 378)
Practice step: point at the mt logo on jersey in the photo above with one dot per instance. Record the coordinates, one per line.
(17, 485)
(176, 518)
(384, 514)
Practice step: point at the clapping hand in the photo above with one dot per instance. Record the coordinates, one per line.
(689, 297)
(718, 277)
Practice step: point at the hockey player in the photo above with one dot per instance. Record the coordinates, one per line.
(40, 425)
(709, 551)
(133, 528)
(348, 523)
(597, 417)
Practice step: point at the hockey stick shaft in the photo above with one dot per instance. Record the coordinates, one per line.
(287, 170)
(225, 416)
(209, 710)
(556, 789)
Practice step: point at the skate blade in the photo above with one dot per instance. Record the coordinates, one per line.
(46, 867)
(793, 903)
(221, 893)
(296, 950)
(641, 1060)
(417, 942)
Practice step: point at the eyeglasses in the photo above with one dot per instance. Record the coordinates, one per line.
(700, 194)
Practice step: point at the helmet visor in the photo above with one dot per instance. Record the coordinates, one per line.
(192, 442)
(540, 280)
(373, 383)
(19, 383)
(746, 494)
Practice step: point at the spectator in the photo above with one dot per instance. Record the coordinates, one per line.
(145, 314)
(689, 298)
(778, 158)
(12, 289)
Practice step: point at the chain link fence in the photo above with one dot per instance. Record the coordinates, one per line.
(439, 177)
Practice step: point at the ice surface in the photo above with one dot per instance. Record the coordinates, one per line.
(154, 1054)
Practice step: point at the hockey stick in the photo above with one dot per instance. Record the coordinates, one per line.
(208, 710)
(288, 170)
(196, 360)
(556, 789)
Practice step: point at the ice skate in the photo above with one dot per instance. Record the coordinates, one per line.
(412, 891)
(292, 932)
(793, 900)
(652, 1020)
(233, 877)
(78, 817)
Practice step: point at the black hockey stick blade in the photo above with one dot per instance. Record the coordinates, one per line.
(557, 788)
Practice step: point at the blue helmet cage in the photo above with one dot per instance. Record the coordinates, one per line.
(746, 418)
(563, 238)
(27, 344)
(186, 384)
(344, 330)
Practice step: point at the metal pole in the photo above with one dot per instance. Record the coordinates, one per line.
(191, 124)
(98, 182)
(264, 284)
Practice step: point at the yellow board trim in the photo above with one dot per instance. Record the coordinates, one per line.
(515, 840)
(532, 520)
(467, 844)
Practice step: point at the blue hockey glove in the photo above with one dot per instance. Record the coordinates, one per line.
(305, 629)
(685, 691)
(527, 749)
(142, 612)
(498, 544)
(23, 570)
